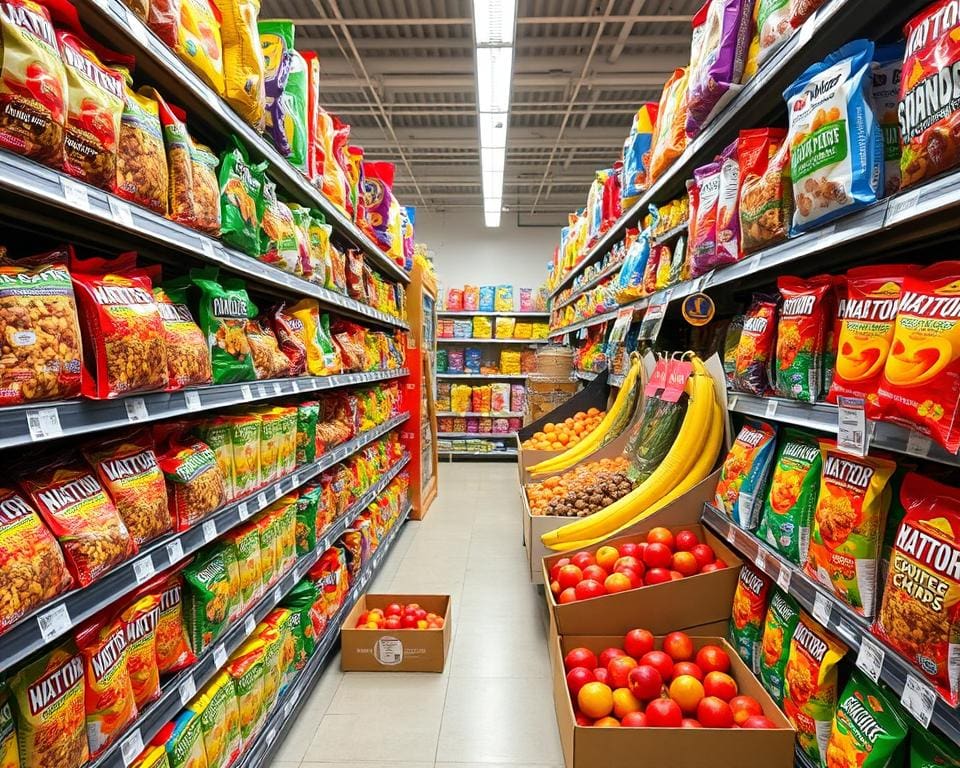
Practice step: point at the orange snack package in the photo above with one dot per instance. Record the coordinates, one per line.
(669, 133)
(140, 620)
(173, 647)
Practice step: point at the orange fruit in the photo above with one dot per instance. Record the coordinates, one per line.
(592, 412)
(595, 700)
(607, 722)
(549, 427)
(687, 691)
(624, 701)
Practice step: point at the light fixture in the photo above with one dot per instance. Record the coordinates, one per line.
(493, 130)
(494, 72)
(491, 218)
(494, 21)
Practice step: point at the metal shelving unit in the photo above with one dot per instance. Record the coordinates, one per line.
(494, 376)
(594, 281)
(478, 435)
(528, 342)
(482, 415)
(538, 315)
(480, 454)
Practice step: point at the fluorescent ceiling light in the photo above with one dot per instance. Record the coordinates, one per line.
(492, 158)
(494, 71)
(492, 183)
(494, 21)
(493, 129)
(491, 218)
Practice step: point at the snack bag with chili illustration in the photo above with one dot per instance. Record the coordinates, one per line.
(869, 721)
(920, 612)
(756, 348)
(140, 620)
(743, 476)
(920, 388)
(801, 333)
(810, 685)
(848, 525)
(109, 701)
(867, 320)
(224, 310)
(173, 646)
(33, 86)
(783, 613)
(749, 610)
(794, 487)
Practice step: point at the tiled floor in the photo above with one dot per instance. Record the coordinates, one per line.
(493, 705)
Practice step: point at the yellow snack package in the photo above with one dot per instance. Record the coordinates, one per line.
(212, 705)
(510, 362)
(482, 328)
(322, 357)
(246, 669)
(198, 41)
(505, 327)
(243, 60)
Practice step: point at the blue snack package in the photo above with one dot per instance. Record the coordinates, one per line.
(472, 357)
(487, 294)
(743, 477)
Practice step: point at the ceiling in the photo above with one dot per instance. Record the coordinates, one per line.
(401, 72)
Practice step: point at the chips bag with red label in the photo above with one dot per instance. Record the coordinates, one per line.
(173, 646)
(747, 617)
(801, 331)
(140, 620)
(756, 347)
(920, 387)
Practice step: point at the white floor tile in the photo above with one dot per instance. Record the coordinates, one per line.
(404, 735)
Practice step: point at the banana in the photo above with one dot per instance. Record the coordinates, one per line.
(675, 465)
(595, 439)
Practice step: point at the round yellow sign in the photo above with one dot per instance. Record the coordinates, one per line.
(698, 309)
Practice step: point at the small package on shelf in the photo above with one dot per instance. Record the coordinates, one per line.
(528, 361)
(471, 359)
(499, 397)
(445, 328)
(541, 330)
(471, 298)
(505, 327)
(523, 330)
(501, 426)
(476, 400)
(473, 425)
(526, 300)
(455, 360)
(510, 362)
(518, 398)
(462, 329)
(503, 299)
(445, 424)
(459, 424)
(515, 423)
(443, 395)
(486, 425)
(460, 398)
(487, 296)
(454, 300)
(482, 328)
(441, 361)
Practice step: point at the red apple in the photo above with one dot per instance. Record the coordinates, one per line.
(638, 642)
(710, 568)
(656, 576)
(394, 622)
(690, 722)
(629, 549)
(628, 561)
(617, 582)
(687, 668)
(569, 576)
(577, 678)
(569, 595)
(686, 540)
(634, 720)
(744, 707)
(636, 580)
(712, 658)
(394, 609)
(657, 555)
(758, 721)
(609, 654)
(685, 563)
(409, 621)
(714, 713)
(595, 572)
(579, 657)
(704, 554)
(720, 563)
(581, 718)
(678, 646)
(660, 662)
(664, 713)
(555, 568)
(721, 685)
(619, 669)
(589, 588)
(602, 675)
(583, 559)
(645, 682)
(660, 535)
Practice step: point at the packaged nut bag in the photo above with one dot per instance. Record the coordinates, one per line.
(195, 484)
(224, 311)
(141, 159)
(188, 360)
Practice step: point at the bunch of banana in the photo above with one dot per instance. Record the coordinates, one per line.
(689, 460)
(611, 426)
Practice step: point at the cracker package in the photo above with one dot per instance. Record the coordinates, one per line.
(801, 336)
(783, 614)
(743, 476)
(748, 614)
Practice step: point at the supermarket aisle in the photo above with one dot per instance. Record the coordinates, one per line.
(493, 704)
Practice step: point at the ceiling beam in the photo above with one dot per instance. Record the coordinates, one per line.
(439, 83)
(373, 45)
(625, 31)
(465, 20)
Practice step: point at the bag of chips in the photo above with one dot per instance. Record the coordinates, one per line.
(885, 71)
(868, 727)
(206, 188)
(702, 247)
(246, 542)
(322, 359)
(188, 359)
(243, 64)
(240, 193)
(669, 132)
(747, 616)
(195, 485)
(294, 127)
(211, 705)
(268, 361)
(289, 330)
(216, 433)
(307, 414)
(756, 348)
(245, 438)
(245, 667)
(140, 620)
(276, 44)
(182, 738)
(224, 310)
(930, 750)
(836, 155)
(208, 596)
(173, 646)
(848, 525)
(766, 195)
(771, 25)
(198, 41)
(801, 336)
(636, 154)
(783, 613)
(153, 756)
(377, 195)
(278, 233)
(333, 182)
(319, 241)
(743, 476)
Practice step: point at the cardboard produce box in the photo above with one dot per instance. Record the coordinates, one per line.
(661, 608)
(588, 747)
(396, 650)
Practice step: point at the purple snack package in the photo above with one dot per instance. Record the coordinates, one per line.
(703, 233)
(276, 41)
(728, 207)
(721, 39)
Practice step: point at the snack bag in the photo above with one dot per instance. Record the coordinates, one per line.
(334, 181)
(702, 247)
(243, 63)
(810, 690)
(79, 513)
(636, 154)
(33, 570)
(801, 336)
(485, 303)
(188, 359)
(153, 756)
(669, 133)
(294, 126)
(207, 597)
(108, 694)
(173, 646)
(755, 350)
(836, 146)
(33, 89)
(51, 728)
(183, 738)
(885, 74)
(198, 41)
(930, 750)
(127, 467)
(183, 206)
(224, 309)
(772, 29)
(920, 613)
(503, 299)
(276, 45)
(319, 233)
(140, 620)
(728, 208)
(240, 192)
(781, 620)
(766, 195)
(920, 387)
(848, 525)
(268, 361)
(9, 754)
(44, 360)
(743, 476)
(322, 359)
(289, 331)
(749, 611)
(246, 669)
(246, 542)
(195, 485)
(868, 722)
(216, 433)
(245, 438)
(867, 322)
(377, 196)
(792, 498)
(278, 233)
(212, 706)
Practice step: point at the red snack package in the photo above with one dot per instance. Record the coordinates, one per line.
(79, 513)
(289, 332)
(756, 347)
(123, 332)
(140, 620)
(801, 332)
(173, 646)
(355, 286)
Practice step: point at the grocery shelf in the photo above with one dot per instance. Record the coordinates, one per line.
(111, 20)
(27, 424)
(119, 223)
(480, 454)
(448, 340)
(482, 415)
(260, 752)
(180, 689)
(671, 233)
(824, 418)
(478, 435)
(831, 25)
(837, 617)
(481, 376)
(62, 615)
(442, 313)
(595, 320)
(579, 291)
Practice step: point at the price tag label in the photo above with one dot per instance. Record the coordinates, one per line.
(120, 210)
(136, 409)
(187, 689)
(760, 560)
(277, 389)
(244, 510)
(900, 207)
(131, 746)
(783, 578)
(75, 193)
(249, 624)
(174, 551)
(206, 245)
(44, 423)
(852, 434)
(209, 530)
(296, 385)
(192, 400)
(918, 445)
(143, 569)
(822, 609)
(771, 410)
(277, 594)
(919, 700)
(54, 623)
(219, 656)
(870, 659)
(246, 393)
(262, 499)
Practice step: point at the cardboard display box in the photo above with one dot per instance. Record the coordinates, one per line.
(588, 747)
(396, 650)
(661, 608)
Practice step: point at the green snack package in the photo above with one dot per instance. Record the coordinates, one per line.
(930, 750)
(216, 434)
(295, 124)
(246, 542)
(307, 415)
(320, 233)
(182, 737)
(747, 616)
(868, 724)
(240, 192)
(223, 311)
(792, 497)
(207, 599)
(783, 613)
(331, 357)
(307, 506)
(278, 233)
(245, 667)
(300, 602)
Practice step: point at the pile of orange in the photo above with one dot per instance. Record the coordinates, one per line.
(584, 479)
(564, 434)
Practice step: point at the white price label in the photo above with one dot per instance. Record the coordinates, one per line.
(54, 622)
(120, 210)
(244, 510)
(296, 385)
(760, 560)
(206, 245)
(918, 445)
(277, 594)
(187, 689)
(209, 530)
(219, 656)
(900, 206)
(771, 409)
(783, 578)
(919, 700)
(822, 609)
(44, 423)
(192, 400)
(277, 389)
(271, 736)
(246, 393)
(75, 193)
(249, 624)
(852, 434)
(175, 551)
(262, 500)
(136, 409)
(143, 569)
(131, 746)
(870, 659)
